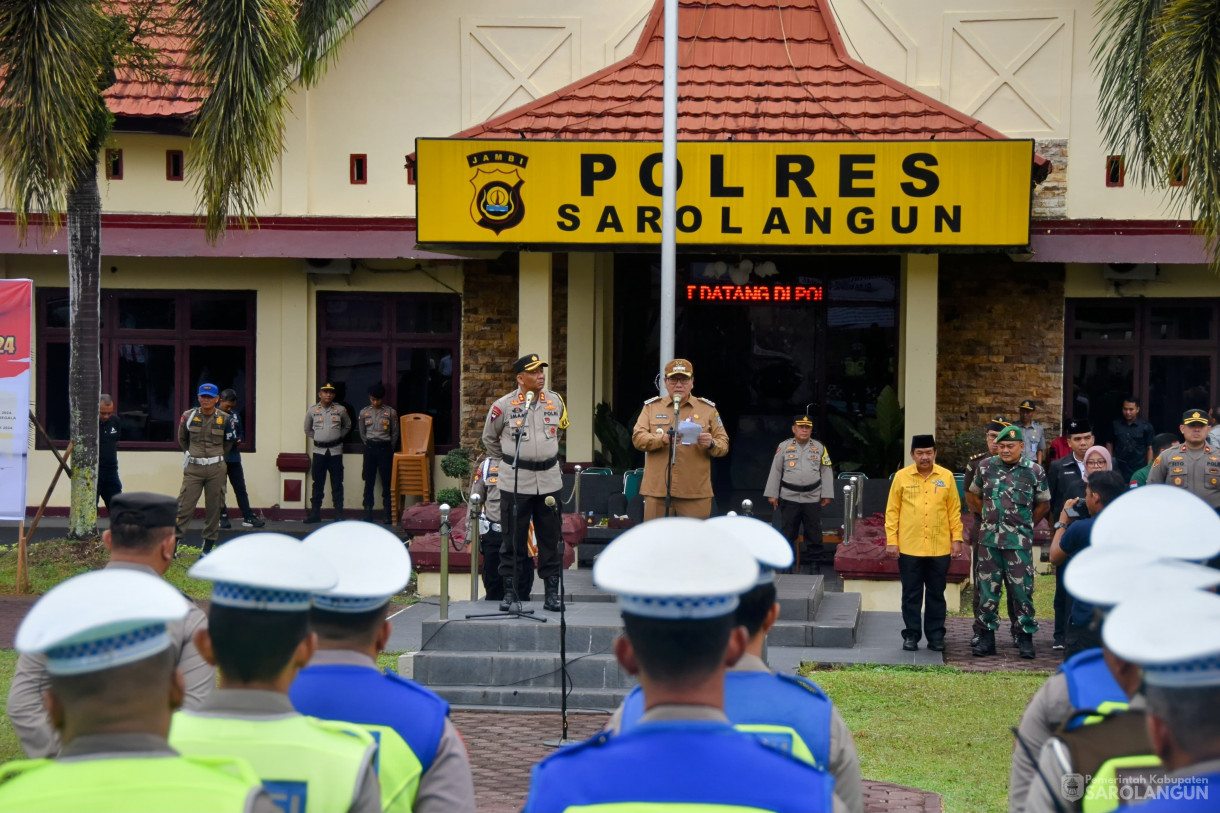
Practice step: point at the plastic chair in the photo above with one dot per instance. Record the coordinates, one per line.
(847, 475)
(631, 482)
(412, 472)
(597, 470)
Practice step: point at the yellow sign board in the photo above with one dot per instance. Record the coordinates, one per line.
(832, 194)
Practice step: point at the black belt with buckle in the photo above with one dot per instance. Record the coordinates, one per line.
(327, 444)
(799, 489)
(531, 465)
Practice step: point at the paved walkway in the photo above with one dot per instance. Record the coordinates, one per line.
(504, 746)
(959, 631)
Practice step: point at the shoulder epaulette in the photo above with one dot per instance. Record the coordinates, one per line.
(652, 399)
(805, 683)
(706, 401)
(596, 741)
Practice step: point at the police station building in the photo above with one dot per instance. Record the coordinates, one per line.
(870, 195)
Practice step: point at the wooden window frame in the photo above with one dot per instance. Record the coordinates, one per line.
(112, 158)
(170, 175)
(358, 168)
(1111, 160)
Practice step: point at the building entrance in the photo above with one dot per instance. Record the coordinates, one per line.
(767, 336)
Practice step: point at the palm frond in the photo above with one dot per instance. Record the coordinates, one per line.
(1126, 29)
(1181, 103)
(322, 26)
(241, 51)
(53, 115)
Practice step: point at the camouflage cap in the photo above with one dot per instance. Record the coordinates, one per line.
(1010, 433)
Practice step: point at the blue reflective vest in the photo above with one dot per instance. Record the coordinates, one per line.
(1091, 687)
(790, 713)
(381, 701)
(1196, 794)
(681, 766)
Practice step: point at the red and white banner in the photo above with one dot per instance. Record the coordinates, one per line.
(16, 343)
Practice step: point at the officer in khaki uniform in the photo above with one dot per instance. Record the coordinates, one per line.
(1192, 465)
(140, 539)
(523, 427)
(800, 485)
(326, 424)
(206, 434)
(378, 424)
(691, 477)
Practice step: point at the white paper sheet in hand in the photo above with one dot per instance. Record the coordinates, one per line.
(688, 432)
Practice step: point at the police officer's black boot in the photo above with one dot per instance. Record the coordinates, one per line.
(510, 596)
(225, 524)
(986, 644)
(1025, 642)
(389, 516)
(368, 513)
(552, 601)
(315, 514)
(338, 512)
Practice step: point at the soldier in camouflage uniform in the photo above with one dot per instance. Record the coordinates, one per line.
(1014, 497)
(975, 505)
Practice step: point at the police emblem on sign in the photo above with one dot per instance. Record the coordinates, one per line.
(497, 204)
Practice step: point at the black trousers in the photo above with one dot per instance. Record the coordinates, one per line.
(1081, 637)
(237, 479)
(923, 586)
(1062, 605)
(547, 532)
(493, 582)
(794, 515)
(324, 464)
(108, 485)
(378, 458)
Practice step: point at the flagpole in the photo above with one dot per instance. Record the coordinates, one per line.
(669, 187)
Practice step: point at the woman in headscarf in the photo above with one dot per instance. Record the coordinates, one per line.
(1096, 459)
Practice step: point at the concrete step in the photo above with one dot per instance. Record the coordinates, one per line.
(837, 621)
(532, 697)
(518, 636)
(799, 596)
(517, 670)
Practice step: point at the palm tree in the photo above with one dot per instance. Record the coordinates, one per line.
(58, 57)
(1159, 67)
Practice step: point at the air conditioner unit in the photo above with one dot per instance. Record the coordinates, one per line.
(342, 266)
(1130, 271)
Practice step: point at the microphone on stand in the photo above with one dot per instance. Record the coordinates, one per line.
(551, 504)
(529, 399)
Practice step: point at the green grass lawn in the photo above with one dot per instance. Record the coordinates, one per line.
(935, 728)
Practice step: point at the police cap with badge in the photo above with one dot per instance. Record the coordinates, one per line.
(370, 563)
(1194, 416)
(528, 364)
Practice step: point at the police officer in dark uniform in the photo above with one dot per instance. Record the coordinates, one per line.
(378, 425)
(108, 483)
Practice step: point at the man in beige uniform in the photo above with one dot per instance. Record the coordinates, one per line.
(141, 538)
(800, 485)
(1193, 465)
(206, 434)
(326, 424)
(690, 484)
(522, 430)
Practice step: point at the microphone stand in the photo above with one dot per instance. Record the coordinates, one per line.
(514, 609)
(673, 455)
(564, 680)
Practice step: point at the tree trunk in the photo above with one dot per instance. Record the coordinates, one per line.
(84, 372)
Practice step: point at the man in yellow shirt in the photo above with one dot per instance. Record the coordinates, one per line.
(923, 527)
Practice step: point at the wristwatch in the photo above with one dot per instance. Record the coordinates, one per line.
(1059, 525)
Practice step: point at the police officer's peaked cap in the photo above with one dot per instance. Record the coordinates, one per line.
(143, 509)
(679, 367)
(1171, 520)
(1010, 433)
(1079, 426)
(676, 568)
(1174, 635)
(1109, 575)
(1195, 416)
(767, 545)
(101, 620)
(370, 562)
(527, 364)
(996, 424)
(802, 420)
(265, 572)
(327, 387)
(1027, 404)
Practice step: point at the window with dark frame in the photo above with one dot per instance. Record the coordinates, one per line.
(1178, 171)
(174, 169)
(114, 165)
(359, 168)
(155, 348)
(408, 342)
(1116, 171)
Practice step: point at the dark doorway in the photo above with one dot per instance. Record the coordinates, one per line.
(767, 336)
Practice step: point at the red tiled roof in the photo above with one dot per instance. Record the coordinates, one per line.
(174, 96)
(746, 71)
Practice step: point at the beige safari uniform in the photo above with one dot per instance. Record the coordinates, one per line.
(539, 442)
(691, 480)
(28, 712)
(206, 439)
(1196, 471)
(797, 464)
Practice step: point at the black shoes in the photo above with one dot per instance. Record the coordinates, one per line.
(1025, 642)
(252, 522)
(389, 517)
(552, 601)
(985, 646)
(510, 597)
(368, 514)
(224, 522)
(937, 645)
(1058, 644)
(909, 644)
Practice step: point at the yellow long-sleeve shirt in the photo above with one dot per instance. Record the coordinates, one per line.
(924, 514)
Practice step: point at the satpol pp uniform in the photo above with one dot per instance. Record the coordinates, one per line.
(206, 440)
